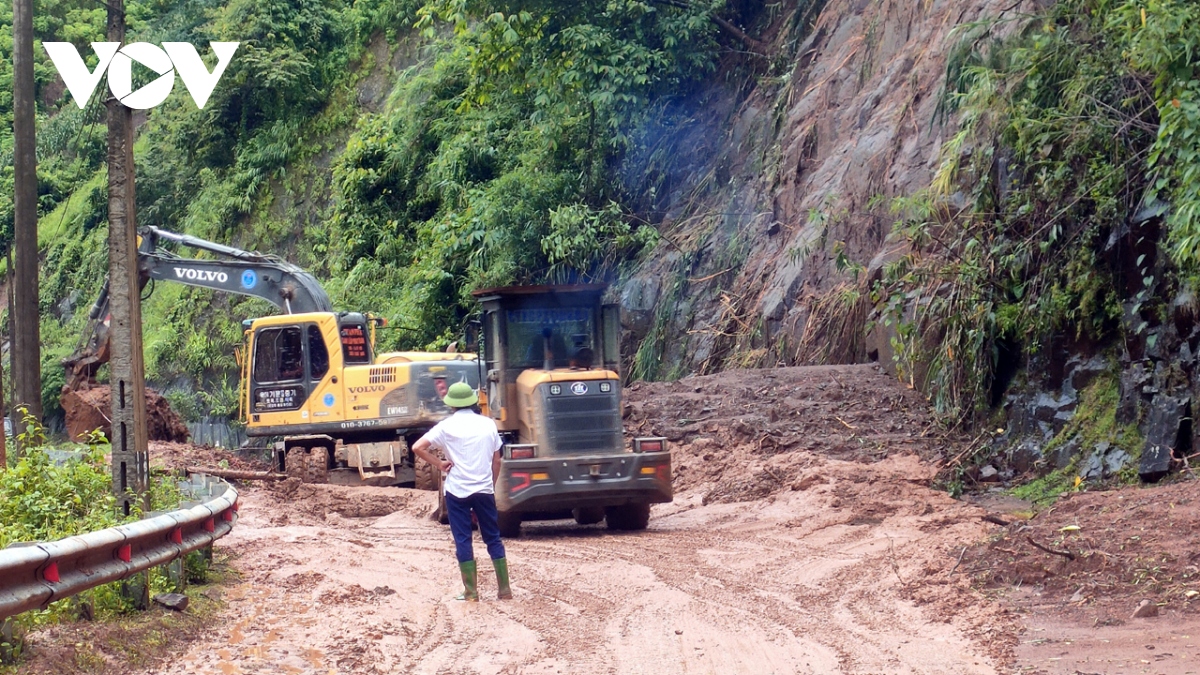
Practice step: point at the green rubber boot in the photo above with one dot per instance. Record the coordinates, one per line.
(501, 565)
(470, 592)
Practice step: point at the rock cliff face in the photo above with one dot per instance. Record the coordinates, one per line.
(774, 182)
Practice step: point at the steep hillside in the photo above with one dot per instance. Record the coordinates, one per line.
(999, 202)
(790, 184)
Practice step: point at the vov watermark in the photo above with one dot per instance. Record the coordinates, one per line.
(171, 58)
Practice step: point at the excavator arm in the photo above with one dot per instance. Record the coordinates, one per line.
(283, 284)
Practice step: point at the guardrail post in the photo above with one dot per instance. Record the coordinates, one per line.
(177, 573)
(137, 589)
(10, 641)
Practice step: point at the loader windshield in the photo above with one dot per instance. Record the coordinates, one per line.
(569, 330)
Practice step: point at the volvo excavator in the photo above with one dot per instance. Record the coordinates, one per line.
(310, 377)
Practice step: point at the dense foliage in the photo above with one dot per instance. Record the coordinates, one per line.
(498, 161)
(42, 499)
(497, 158)
(1059, 145)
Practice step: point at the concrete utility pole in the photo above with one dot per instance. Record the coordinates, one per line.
(3, 440)
(26, 333)
(130, 464)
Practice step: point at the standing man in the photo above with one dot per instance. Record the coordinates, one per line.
(472, 448)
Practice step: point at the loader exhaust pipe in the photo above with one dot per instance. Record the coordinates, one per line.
(547, 349)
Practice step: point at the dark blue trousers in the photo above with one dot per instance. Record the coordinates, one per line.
(459, 509)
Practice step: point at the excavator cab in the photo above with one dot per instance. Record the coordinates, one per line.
(553, 386)
(346, 414)
(291, 356)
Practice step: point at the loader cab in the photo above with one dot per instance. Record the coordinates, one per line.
(552, 367)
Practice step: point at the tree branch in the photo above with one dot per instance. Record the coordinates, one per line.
(1066, 554)
(758, 47)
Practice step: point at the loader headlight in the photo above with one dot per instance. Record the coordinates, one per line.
(555, 389)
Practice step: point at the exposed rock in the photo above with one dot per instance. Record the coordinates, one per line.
(638, 298)
(1024, 414)
(1157, 344)
(1115, 460)
(1145, 610)
(840, 143)
(1092, 468)
(1081, 372)
(1132, 380)
(1047, 408)
(1162, 435)
(1025, 455)
(1062, 455)
(988, 474)
(174, 601)
(1104, 461)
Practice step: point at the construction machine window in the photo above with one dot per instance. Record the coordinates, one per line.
(490, 335)
(279, 355)
(318, 355)
(565, 331)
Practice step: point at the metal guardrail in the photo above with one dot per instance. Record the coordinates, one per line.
(34, 575)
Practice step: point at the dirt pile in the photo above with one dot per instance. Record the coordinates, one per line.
(173, 456)
(302, 503)
(745, 434)
(1099, 554)
(847, 575)
(89, 409)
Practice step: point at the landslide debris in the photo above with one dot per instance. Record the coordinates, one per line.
(1127, 545)
(743, 435)
(88, 410)
(174, 456)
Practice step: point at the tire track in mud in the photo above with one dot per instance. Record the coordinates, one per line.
(791, 584)
(797, 609)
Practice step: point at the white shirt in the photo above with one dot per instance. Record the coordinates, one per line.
(469, 441)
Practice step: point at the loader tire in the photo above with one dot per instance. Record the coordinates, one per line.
(427, 478)
(588, 516)
(510, 524)
(310, 465)
(627, 517)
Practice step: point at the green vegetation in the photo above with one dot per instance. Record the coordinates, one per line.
(498, 157)
(1045, 490)
(1059, 144)
(42, 500)
(1095, 421)
(498, 161)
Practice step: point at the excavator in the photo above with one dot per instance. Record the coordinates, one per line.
(310, 377)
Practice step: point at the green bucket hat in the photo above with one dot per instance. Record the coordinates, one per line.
(460, 395)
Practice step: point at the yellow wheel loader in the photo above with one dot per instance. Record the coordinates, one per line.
(554, 389)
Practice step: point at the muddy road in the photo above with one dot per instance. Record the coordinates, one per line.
(790, 585)
(803, 539)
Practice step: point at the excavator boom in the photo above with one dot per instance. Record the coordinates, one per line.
(283, 284)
